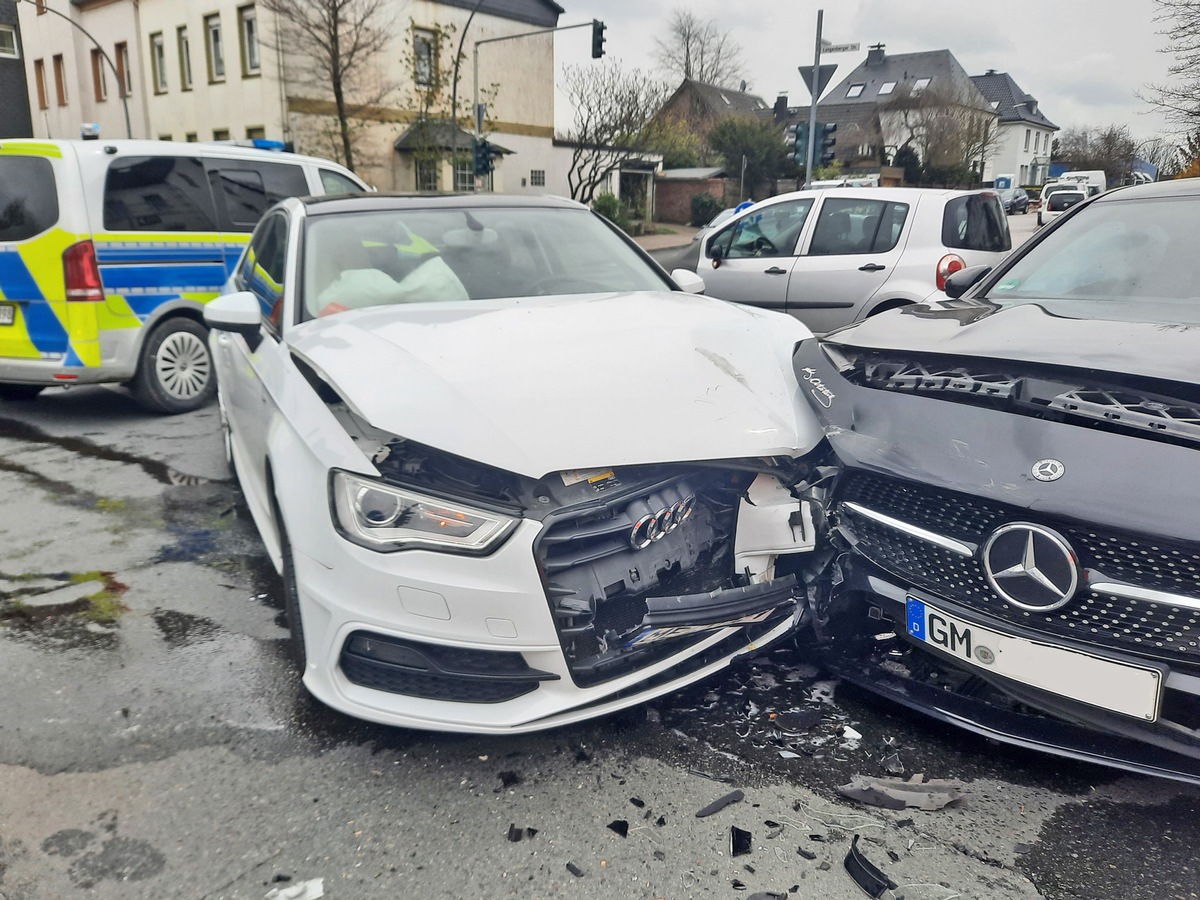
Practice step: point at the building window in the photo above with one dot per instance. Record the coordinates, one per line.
(39, 74)
(256, 132)
(220, 134)
(855, 90)
(1027, 132)
(537, 178)
(425, 58)
(185, 59)
(190, 137)
(248, 35)
(99, 76)
(124, 70)
(464, 175)
(427, 174)
(920, 84)
(60, 80)
(165, 137)
(215, 48)
(158, 63)
(886, 88)
(8, 42)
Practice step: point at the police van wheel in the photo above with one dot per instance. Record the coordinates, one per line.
(16, 393)
(175, 371)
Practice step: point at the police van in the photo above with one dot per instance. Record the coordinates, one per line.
(110, 249)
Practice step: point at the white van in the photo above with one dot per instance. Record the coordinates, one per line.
(110, 249)
(1096, 180)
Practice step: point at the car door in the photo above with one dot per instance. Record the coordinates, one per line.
(245, 373)
(749, 260)
(848, 255)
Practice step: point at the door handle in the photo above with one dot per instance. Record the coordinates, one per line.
(871, 267)
(775, 270)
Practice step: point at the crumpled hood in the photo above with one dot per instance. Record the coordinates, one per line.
(1028, 333)
(551, 383)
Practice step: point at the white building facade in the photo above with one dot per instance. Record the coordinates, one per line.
(1023, 148)
(223, 70)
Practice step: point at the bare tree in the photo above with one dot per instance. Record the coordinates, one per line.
(1164, 155)
(949, 130)
(613, 109)
(1179, 99)
(336, 48)
(697, 49)
(1111, 148)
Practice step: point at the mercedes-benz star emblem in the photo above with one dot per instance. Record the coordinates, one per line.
(1048, 470)
(1031, 567)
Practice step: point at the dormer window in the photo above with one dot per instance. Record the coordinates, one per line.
(886, 88)
(994, 104)
(855, 90)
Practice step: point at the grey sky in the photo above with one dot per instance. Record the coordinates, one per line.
(1084, 60)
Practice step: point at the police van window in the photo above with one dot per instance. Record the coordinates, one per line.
(158, 193)
(247, 189)
(28, 197)
(263, 267)
(336, 183)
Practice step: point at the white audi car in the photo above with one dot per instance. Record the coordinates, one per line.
(513, 475)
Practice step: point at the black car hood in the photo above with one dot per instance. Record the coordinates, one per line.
(1028, 333)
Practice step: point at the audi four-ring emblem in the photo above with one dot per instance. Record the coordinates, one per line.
(655, 526)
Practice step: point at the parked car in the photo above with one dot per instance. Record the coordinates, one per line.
(1015, 497)
(1015, 200)
(1059, 202)
(722, 216)
(110, 249)
(512, 476)
(1053, 187)
(834, 256)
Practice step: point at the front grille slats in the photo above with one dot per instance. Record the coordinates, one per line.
(1121, 623)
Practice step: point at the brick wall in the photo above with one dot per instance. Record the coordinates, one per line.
(673, 199)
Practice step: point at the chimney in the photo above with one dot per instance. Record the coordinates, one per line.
(875, 55)
(780, 109)
(990, 72)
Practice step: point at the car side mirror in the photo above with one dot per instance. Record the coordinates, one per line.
(958, 283)
(239, 313)
(688, 281)
(716, 254)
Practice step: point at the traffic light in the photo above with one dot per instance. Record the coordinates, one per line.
(597, 39)
(825, 134)
(483, 158)
(800, 153)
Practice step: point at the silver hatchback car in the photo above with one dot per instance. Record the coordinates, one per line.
(835, 256)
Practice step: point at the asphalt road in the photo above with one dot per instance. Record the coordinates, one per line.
(154, 741)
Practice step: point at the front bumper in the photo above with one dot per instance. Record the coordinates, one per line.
(445, 642)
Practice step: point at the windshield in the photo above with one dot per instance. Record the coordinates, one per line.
(1130, 260)
(362, 259)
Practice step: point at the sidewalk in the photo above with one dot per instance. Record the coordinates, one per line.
(681, 236)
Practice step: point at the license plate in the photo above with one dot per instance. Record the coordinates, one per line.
(1119, 687)
(8, 313)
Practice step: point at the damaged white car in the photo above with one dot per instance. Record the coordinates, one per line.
(513, 475)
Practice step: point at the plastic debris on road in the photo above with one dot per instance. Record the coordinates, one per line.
(892, 793)
(720, 804)
(740, 841)
(305, 890)
(865, 874)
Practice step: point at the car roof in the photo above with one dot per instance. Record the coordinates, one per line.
(343, 203)
(886, 193)
(136, 147)
(1179, 187)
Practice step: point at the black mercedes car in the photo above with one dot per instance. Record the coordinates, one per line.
(1014, 488)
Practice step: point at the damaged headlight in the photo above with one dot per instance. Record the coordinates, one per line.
(386, 518)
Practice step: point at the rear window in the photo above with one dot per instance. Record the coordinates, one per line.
(976, 222)
(28, 197)
(1063, 200)
(158, 193)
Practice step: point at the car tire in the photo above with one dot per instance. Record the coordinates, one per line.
(291, 598)
(1025, 211)
(20, 393)
(175, 369)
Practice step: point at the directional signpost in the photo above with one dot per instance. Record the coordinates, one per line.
(823, 74)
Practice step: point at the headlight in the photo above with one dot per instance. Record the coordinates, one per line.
(386, 518)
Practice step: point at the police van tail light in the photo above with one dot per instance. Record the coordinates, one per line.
(947, 266)
(82, 273)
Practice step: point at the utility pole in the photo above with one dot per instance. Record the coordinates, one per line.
(812, 109)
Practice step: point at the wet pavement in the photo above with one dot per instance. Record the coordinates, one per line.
(155, 742)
